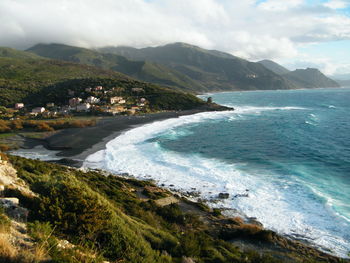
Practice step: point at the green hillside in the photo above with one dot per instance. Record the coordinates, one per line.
(273, 66)
(6, 52)
(20, 78)
(38, 81)
(142, 70)
(212, 69)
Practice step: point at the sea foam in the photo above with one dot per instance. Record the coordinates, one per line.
(281, 205)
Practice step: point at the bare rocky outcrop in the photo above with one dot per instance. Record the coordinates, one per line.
(9, 179)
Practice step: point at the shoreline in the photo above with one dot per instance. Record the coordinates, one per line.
(73, 152)
(76, 144)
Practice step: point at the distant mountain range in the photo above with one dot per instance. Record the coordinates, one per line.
(178, 66)
(342, 79)
(189, 68)
(301, 78)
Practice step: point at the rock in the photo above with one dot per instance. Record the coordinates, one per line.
(224, 195)
(187, 260)
(166, 201)
(254, 221)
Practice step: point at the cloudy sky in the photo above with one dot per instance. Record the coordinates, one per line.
(296, 33)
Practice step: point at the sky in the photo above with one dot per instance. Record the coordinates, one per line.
(295, 33)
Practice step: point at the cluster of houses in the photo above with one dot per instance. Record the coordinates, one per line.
(112, 106)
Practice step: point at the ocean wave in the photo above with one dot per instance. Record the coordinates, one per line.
(258, 110)
(38, 152)
(293, 213)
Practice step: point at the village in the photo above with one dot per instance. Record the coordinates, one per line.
(91, 101)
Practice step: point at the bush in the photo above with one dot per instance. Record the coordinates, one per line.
(4, 147)
(5, 222)
(43, 126)
(4, 126)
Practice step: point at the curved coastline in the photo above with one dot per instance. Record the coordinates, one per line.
(73, 149)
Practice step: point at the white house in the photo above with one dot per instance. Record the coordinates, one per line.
(19, 106)
(83, 107)
(74, 101)
(92, 100)
(114, 100)
(98, 88)
(38, 110)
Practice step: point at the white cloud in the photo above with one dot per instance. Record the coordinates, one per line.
(337, 4)
(278, 5)
(273, 29)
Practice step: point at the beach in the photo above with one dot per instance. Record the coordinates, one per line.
(75, 144)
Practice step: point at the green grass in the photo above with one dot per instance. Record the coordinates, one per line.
(99, 212)
(6, 135)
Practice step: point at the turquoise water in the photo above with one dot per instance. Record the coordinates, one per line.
(284, 157)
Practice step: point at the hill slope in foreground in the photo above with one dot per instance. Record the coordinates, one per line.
(77, 216)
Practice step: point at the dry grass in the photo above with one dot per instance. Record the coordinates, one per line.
(7, 250)
(250, 228)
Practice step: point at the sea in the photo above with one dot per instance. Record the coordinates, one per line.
(282, 156)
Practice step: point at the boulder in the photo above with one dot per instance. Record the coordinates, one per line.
(224, 195)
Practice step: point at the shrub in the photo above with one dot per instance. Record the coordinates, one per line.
(4, 126)
(4, 147)
(5, 222)
(43, 126)
(17, 125)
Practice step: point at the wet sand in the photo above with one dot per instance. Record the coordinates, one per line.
(75, 144)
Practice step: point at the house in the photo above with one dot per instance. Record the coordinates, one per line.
(38, 110)
(83, 107)
(114, 100)
(19, 106)
(50, 105)
(92, 100)
(142, 100)
(98, 88)
(50, 113)
(73, 102)
(88, 89)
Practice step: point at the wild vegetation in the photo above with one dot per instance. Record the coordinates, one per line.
(104, 217)
(36, 81)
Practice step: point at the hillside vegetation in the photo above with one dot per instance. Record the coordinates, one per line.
(179, 65)
(78, 216)
(143, 70)
(36, 81)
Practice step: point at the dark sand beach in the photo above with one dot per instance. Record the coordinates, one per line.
(75, 144)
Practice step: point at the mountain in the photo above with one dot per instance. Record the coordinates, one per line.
(6, 52)
(273, 66)
(344, 82)
(189, 68)
(215, 70)
(342, 79)
(310, 78)
(37, 81)
(142, 70)
(301, 78)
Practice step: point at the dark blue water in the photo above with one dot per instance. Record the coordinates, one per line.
(283, 156)
(302, 135)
